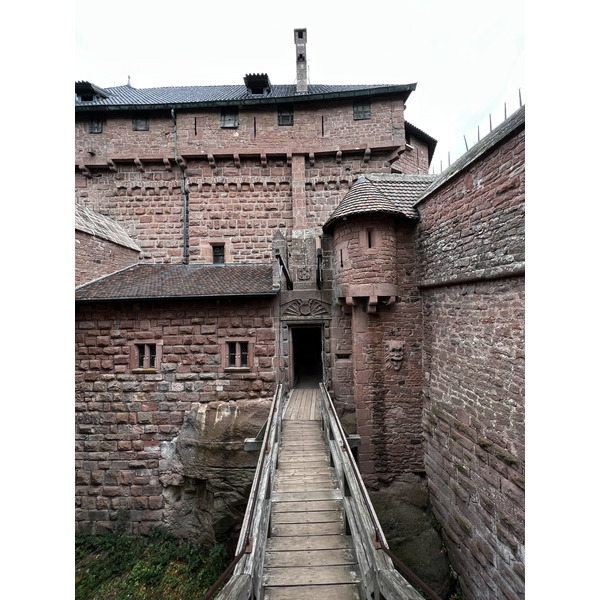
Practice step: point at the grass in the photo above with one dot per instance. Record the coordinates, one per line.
(121, 566)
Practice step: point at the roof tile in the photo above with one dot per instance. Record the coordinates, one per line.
(390, 193)
(162, 281)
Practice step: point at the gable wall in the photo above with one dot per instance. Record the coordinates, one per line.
(96, 257)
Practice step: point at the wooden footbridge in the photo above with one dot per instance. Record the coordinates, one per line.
(310, 531)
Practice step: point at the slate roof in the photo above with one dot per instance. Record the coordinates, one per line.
(128, 98)
(178, 281)
(89, 221)
(393, 194)
(488, 143)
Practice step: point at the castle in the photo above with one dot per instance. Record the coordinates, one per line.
(230, 238)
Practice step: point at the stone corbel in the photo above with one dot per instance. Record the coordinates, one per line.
(338, 157)
(311, 159)
(138, 163)
(263, 160)
(182, 163)
(211, 161)
(236, 160)
(372, 305)
(111, 164)
(167, 164)
(367, 156)
(289, 159)
(85, 171)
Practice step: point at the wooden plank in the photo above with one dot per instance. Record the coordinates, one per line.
(315, 516)
(311, 575)
(308, 558)
(331, 592)
(307, 506)
(303, 471)
(299, 486)
(324, 480)
(300, 496)
(317, 542)
(299, 529)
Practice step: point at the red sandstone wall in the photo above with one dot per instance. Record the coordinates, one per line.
(472, 231)
(95, 257)
(415, 160)
(240, 181)
(241, 205)
(319, 126)
(387, 400)
(122, 417)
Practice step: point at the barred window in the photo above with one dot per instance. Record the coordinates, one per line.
(218, 254)
(362, 109)
(95, 125)
(145, 356)
(237, 354)
(285, 115)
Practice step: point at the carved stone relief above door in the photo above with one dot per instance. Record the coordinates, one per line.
(308, 309)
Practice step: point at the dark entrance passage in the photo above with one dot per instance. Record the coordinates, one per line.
(306, 351)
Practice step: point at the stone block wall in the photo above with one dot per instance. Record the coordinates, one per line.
(96, 257)
(124, 414)
(376, 289)
(416, 157)
(470, 261)
(318, 127)
(475, 224)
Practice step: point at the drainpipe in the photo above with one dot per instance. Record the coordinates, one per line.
(185, 198)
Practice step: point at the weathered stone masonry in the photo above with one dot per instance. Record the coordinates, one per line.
(470, 251)
(123, 415)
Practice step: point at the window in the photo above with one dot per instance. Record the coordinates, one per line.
(95, 125)
(362, 109)
(285, 115)
(140, 123)
(145, 356)
(218, 251)
(229, 117)
(370, 239)
(238, 354)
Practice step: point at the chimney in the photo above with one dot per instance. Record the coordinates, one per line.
(301, 67)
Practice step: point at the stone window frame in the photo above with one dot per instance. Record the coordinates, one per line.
(95, 125)
(285, 115)
(230, 117)
(218, 256)
(225, 353)
(151, 347)
(207, 252)
(362, 109)
(140, 123)
(370, 240)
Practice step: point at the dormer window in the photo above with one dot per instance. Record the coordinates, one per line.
(88, 92)
(257, 84)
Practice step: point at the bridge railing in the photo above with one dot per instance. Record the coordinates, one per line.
(247, 566)
(380, 579)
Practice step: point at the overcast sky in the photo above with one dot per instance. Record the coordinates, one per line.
(466, 56)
